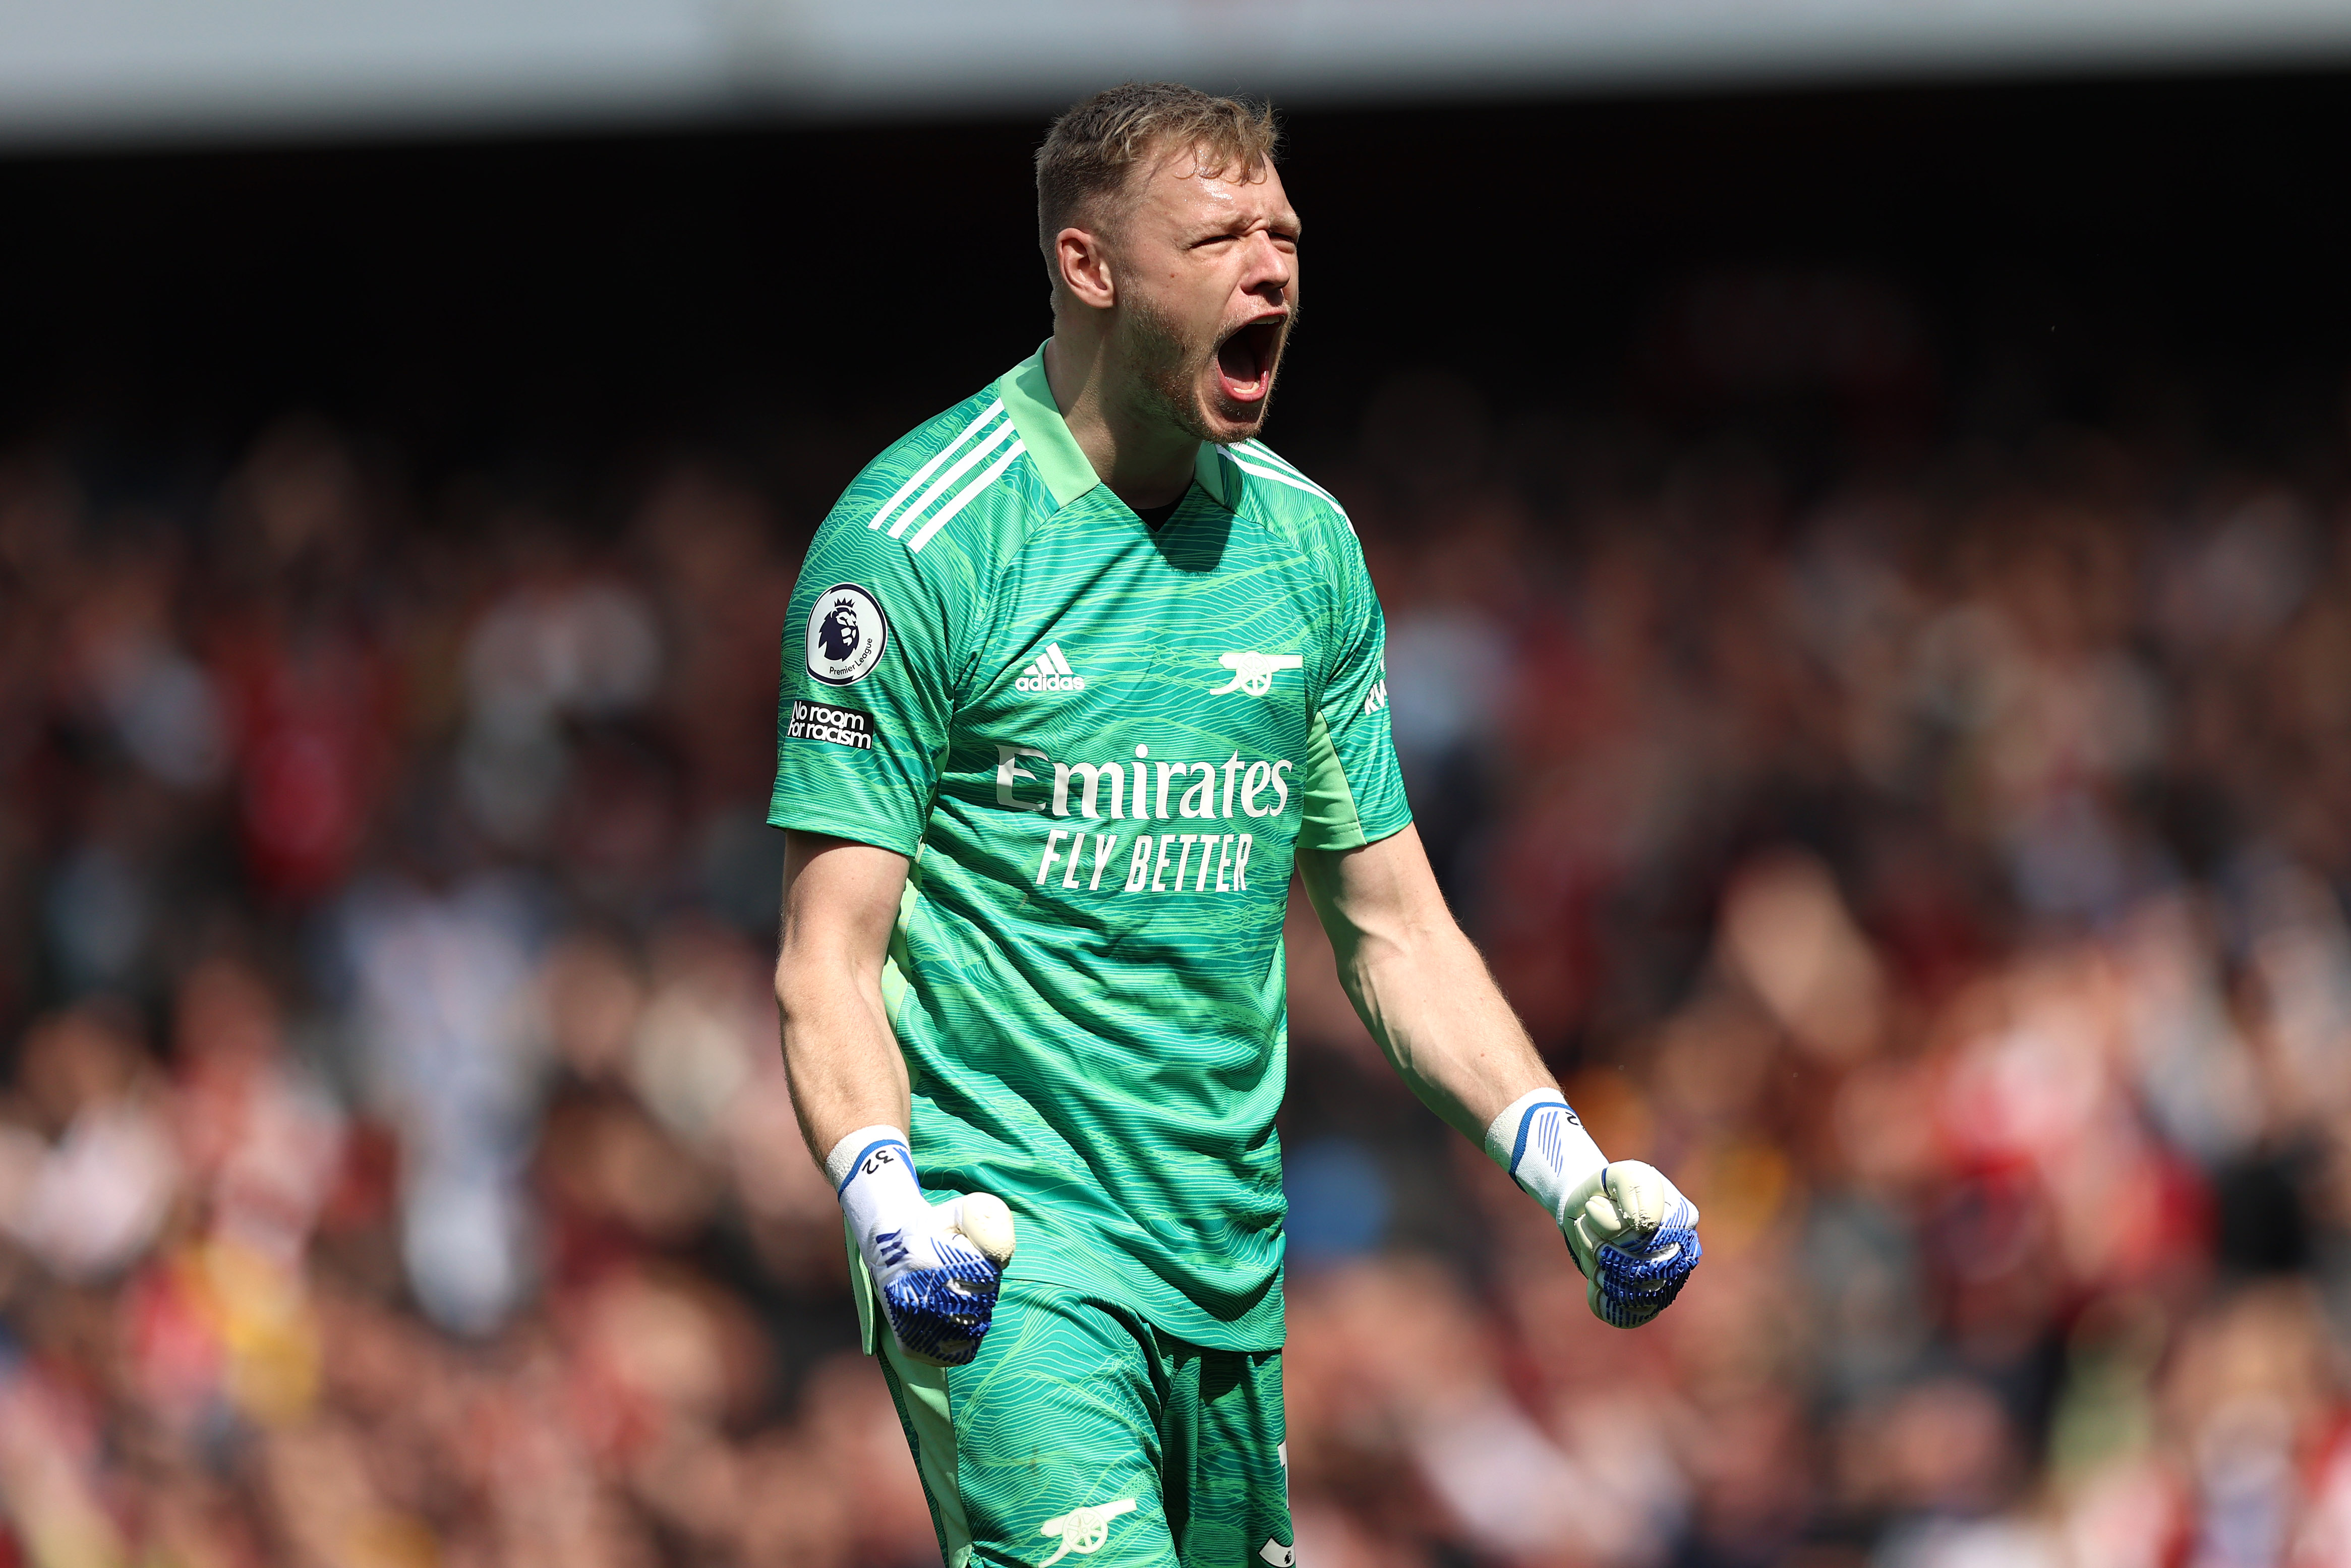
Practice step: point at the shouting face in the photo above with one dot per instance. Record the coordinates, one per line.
(1206, 263)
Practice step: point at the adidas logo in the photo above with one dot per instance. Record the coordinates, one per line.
(1050, 672)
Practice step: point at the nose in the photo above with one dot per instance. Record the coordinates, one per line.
(1269, 270)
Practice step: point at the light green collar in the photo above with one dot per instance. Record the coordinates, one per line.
(1061, 462)
(1211, 471)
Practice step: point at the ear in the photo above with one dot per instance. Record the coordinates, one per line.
(1081, 261)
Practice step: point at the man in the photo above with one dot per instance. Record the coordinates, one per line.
(1087, 670)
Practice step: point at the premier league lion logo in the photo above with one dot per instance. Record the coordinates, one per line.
(846, 634)
(838, 633)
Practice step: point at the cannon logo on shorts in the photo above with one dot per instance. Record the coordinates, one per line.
(846, 634)
(1083, 1531)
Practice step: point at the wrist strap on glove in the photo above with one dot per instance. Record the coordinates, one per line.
(873, 1172)
(1542, 1146)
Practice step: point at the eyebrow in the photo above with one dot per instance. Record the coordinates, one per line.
(1290, 226)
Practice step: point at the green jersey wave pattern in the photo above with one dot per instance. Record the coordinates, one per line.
(1101, 746)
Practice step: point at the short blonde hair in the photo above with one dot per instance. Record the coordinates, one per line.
(1096, 143)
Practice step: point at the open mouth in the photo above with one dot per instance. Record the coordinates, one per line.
(1245, 359)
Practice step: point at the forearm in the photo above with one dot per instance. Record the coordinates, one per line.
(1427, 998)
(1437, 1013)
(841, 1056)
(1423, 991)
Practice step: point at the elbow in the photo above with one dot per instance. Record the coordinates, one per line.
(792, 987)
(811, 981)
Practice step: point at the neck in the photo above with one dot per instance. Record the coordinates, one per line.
(1146, 461)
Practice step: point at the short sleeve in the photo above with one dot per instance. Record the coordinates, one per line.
(871, 652)
(1355, 789)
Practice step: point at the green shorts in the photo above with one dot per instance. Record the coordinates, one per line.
(1082, 1431)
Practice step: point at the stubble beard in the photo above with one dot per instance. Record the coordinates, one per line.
(1169, 369)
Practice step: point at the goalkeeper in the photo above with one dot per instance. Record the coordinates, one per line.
(1076, 675)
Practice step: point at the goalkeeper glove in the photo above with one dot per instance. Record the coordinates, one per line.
(937, 1290)
(1632, 1233)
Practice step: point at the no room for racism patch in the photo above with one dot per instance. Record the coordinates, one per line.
(834, 726)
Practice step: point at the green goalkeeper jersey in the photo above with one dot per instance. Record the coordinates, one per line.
(1101, 745)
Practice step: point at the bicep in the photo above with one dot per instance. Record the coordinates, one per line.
(841, 903)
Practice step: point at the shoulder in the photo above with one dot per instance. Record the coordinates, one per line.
(951, 488)
(1277, 491)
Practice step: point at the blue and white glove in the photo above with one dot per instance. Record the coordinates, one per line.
(1632, 1232)
(938, 1291)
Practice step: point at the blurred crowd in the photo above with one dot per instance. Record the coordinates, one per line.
(1936, 866)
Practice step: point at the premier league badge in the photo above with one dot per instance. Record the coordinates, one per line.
(846, 634)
